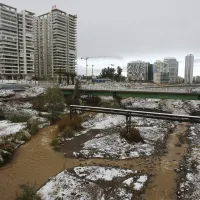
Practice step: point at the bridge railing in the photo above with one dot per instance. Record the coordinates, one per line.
(133, 113)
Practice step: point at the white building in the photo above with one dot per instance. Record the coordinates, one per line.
(26, 44)
(16, 43)
(173, 69)
(160, 72)
(9, 62)
(55, 43)
(189, 62)
(137, 71)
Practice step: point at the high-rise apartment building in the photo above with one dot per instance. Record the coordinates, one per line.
(55, 43)
(161, 72)
(173, 69)
(189, 62)
(16, 43)
(26, 44)
(9, 62)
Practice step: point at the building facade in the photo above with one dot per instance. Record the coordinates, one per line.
(55, 38)
(9, 53)
(16, 43)
(161, 72)
(150, 72)
(137, 71)
(189, 62)
(26, 44)
(173, 69)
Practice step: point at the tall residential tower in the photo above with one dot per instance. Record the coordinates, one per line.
(189, 62)
(173, 69)
(16, 43)
(55, 43)
(9, 54)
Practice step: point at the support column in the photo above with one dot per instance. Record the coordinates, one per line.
(128, 123)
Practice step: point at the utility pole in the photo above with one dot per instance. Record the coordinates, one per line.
(86, 60)
(92, 70)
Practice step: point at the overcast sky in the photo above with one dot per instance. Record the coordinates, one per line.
(127, 30)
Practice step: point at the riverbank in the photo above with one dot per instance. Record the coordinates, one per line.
(36, 161)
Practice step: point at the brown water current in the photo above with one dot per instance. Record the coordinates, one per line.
(36, 161)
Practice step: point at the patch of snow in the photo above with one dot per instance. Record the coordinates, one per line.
(101, 173)
(6, 93)
(102, 121)
(140, 182)
(8, 128)
(30, 92)
(67, 186)
(190, 177)
(128, 181)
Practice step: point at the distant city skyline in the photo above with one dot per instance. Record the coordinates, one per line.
(102, 63)
(148, 32)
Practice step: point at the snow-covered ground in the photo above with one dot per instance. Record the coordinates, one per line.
(109, 144)
(190, 186)
(29, 92)
(8, 128)
(93, 182)
(141, 103)
(6, 93)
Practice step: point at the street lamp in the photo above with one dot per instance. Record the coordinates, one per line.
(86, 59)
(92, 70)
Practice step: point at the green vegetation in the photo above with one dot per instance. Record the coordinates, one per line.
(68, 132)
(109, 104)
(54, 101)
(33, 126)
(18, 116)
(39, 104)
(22, 135)
(54, 142)
(67, 128)
(109, 72)
(29, 192)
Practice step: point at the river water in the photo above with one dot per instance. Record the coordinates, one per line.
(33, 162)
(36, 161)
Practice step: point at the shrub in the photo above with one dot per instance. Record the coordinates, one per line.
(21, 135)
(18, 116)
(33, 126)
(54, 142)
(68, 132)
(109, 104)
(29, 192)
(39, 103)
(63, 122)
(133, 136)
(54, 100)
(76, 122)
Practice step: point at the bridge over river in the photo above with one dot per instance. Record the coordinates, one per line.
(160, 93)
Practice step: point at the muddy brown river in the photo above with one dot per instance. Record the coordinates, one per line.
(36, 161)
